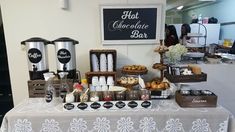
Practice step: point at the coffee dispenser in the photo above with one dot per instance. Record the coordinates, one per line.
(66, 56)
(37, 57)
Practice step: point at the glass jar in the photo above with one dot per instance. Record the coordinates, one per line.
(133, 95)
(145, 94)
(108, 96)
(49, 88)
(120, 95)
(94, 97)
(64, 87)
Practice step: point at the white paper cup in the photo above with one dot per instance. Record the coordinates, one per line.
(110, 62)
(94, 62)
(104, 88)
(103, 63)
(98, 88)
(110, 81)
(102, 80)
(95, 81)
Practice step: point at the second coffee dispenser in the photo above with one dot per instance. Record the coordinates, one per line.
(66, 56)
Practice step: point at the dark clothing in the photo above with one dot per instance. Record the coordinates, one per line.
(232, 50)
(171, 40)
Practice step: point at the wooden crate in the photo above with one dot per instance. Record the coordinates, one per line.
(97, 52)
(37, 87)
(186, 78)
(192, 101)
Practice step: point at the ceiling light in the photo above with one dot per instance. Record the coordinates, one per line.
(206, 0)
(180, 7)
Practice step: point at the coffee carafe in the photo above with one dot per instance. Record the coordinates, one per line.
(66, 56)
(37, 57)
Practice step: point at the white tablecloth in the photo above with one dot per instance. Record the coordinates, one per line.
(165, 115)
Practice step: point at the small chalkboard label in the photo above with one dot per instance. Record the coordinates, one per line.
(95, 105)
(64, 56)
(120, 104)
(68, 106)
(82, 106)
(146, 104)
(34, 55)
(108, 105)
(132, 104)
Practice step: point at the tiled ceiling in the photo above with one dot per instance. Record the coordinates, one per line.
(173, 4)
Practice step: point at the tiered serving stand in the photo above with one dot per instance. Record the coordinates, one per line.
(160, 66)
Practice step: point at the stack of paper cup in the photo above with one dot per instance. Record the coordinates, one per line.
(94, 62)
(110, 81)
(103, 63)
(110, 62)
(95, 81)
(102, 80)
(104, 88)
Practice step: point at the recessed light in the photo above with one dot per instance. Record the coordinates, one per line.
(206, 0)
(180, 7)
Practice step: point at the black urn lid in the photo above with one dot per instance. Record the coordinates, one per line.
(65, 39)
(36, 39)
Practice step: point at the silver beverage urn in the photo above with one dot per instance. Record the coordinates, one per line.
(66, 56)
(36, 50)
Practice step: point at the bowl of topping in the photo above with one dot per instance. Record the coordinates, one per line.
(159, 66)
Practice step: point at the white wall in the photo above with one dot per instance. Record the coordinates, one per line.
(223, 10)
(24, 19)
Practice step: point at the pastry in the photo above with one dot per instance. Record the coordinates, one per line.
(153, 85)
(161, 48)
(159, 66)
(195, 69)
(134, 67)
(128, 80)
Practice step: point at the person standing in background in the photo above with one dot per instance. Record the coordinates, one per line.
(185, 29)
(171, 36)
(184, 39)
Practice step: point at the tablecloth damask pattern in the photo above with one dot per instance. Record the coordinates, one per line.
(33, 115)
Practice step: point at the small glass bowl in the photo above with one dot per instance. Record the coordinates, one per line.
(145, 94)
(94, 97)
(108, 96)
(196, 92)
(206, 92)
(133, 95)
(120, 95)
(184, 92)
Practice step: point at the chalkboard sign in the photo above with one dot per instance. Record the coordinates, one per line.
(130, 24)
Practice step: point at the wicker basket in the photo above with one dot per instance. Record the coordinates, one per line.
(186, 78)
(37, 87)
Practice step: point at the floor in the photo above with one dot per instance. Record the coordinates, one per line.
(220, 80)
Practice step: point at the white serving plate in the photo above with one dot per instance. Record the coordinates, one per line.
(226, 55)
(195, 54)
(194, 45)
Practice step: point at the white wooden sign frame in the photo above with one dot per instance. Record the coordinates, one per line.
(134, 41)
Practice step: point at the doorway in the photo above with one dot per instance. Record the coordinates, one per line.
(6, 101)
